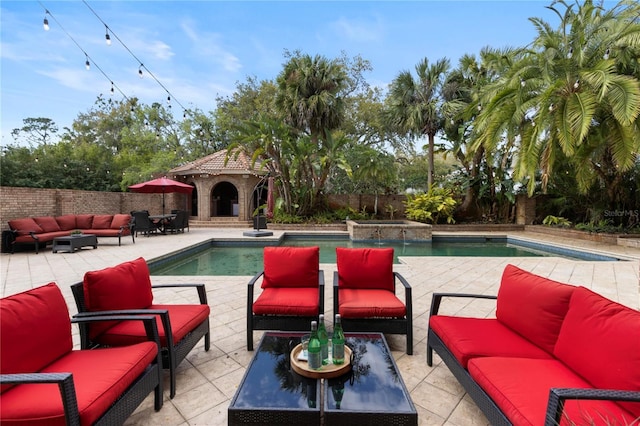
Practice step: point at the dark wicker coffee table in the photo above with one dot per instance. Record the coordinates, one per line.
(372, 393)
(72, 243)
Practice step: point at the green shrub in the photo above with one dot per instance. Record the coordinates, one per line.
(556, 221)
(432, 207)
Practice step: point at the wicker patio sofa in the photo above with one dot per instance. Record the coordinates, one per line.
(41, 230)
(554, 354)
(44, 381)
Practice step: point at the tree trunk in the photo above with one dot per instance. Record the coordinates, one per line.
(430, 170)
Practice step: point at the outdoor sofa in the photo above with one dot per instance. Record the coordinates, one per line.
(554, 354)
(44, 381)
(43, 229)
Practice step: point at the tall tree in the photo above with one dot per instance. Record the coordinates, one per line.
(414, 104)
(36, 131)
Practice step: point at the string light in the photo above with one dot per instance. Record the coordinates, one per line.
(87, 64)
(140, 71)
(606, 54)
(522, 83)
(576, 84)
(570, 54)
(112, 91)
(45, 23)
(107, 37)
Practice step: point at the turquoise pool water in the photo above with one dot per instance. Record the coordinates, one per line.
(239, 258)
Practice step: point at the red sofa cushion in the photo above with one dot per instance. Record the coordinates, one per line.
(365, 268)
(47, 223)
(100, 376)
(102, 221)
(532, 305)
(291, 267)
(120, 220)
(25, 225)
(35, 330)
(469, 338)
(84, 221)
(67, 222)
(303, 301)
(520, 387)
(600, 340)
(370, 303)
(183, 319)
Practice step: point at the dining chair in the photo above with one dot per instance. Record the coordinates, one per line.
(364, 293)
(142, 223)
(292, 291)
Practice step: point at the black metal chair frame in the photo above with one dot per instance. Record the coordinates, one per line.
(149, 381)
(402, 325)
(173, 353)
(142, 223)
(179, 223)
(279, 322)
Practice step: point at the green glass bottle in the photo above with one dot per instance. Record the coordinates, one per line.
(314, 351)
(323, 336)
(338, 341)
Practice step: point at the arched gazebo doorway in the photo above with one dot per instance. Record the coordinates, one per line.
(194, 201)
(224, 200)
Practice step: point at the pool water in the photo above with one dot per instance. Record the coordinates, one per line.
(237, 259)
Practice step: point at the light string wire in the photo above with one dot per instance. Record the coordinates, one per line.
(134, 56)
(88, 57)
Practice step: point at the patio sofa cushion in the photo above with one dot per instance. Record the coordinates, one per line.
(610, 334)
(365, 268)
(105, 289)
(102, 221)
(84, 221)
(39, 321)
(120, 220)
(47, 223)
(184, 319)
(533, 306)
(302, 301)
(291, 267)
(67, 222)
(469, 338)
(370, 303)
(25, 225)
(520, 387)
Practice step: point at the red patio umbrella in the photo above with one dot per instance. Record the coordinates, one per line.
(161, 186)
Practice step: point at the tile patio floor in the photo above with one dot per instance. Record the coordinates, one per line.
(208, 380)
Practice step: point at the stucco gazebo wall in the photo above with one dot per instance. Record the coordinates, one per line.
(244, 184)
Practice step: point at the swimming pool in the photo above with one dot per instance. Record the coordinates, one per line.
(239, 258)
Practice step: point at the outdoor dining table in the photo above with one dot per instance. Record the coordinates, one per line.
(162, 220)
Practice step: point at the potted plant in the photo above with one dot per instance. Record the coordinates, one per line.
(76, 233)
(259, 221)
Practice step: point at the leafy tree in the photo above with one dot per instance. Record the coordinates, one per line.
(35, 131)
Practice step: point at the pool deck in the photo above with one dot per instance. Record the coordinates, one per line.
(208, 380)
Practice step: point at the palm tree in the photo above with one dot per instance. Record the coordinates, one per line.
(414, 104)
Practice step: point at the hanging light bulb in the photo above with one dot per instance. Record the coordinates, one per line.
(522, 83)
(606, 54)
(112, 90)
(184, 114)
(570, 54)
(132, 108)
(45, 23)
(140, 71)
(576, 84)
(479, 107)
(550, 107)
(107, 37)
(87, 64)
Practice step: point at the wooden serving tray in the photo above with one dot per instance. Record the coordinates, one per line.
(328, 371)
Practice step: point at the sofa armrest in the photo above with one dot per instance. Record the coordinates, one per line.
(557, 397)
(144, 315)
(64, 382)
(437, 299)
(202, 293)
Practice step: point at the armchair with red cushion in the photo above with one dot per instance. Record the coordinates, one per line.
(292, 291)
(126, 288)
(364, 293)
(44, 381)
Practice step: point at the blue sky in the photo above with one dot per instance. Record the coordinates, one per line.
(201, 49)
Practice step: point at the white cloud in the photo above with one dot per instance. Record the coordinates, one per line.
(358, 30)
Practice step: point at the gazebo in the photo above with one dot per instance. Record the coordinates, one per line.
(223, 192)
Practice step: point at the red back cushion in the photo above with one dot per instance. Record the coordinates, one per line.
(533, 306)
(120, 220)
(35, 330)
(66, 222)
(291, 267)
(600, 340)
(25, 225)
(124, 286)
(47, 223)
(365, 268)
(84, 221)
(102, 221)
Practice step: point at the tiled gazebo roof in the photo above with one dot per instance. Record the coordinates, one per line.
(214, 164)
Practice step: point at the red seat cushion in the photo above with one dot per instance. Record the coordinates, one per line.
(291, 267)
(600, 340)
(304, 301)
(365, 268)
(47, 223)
(100, 376)
(469, 338)
(35, 330)
(370, 303)
(524, 296)
(520, 387)
(25, 225)
(183, 319)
